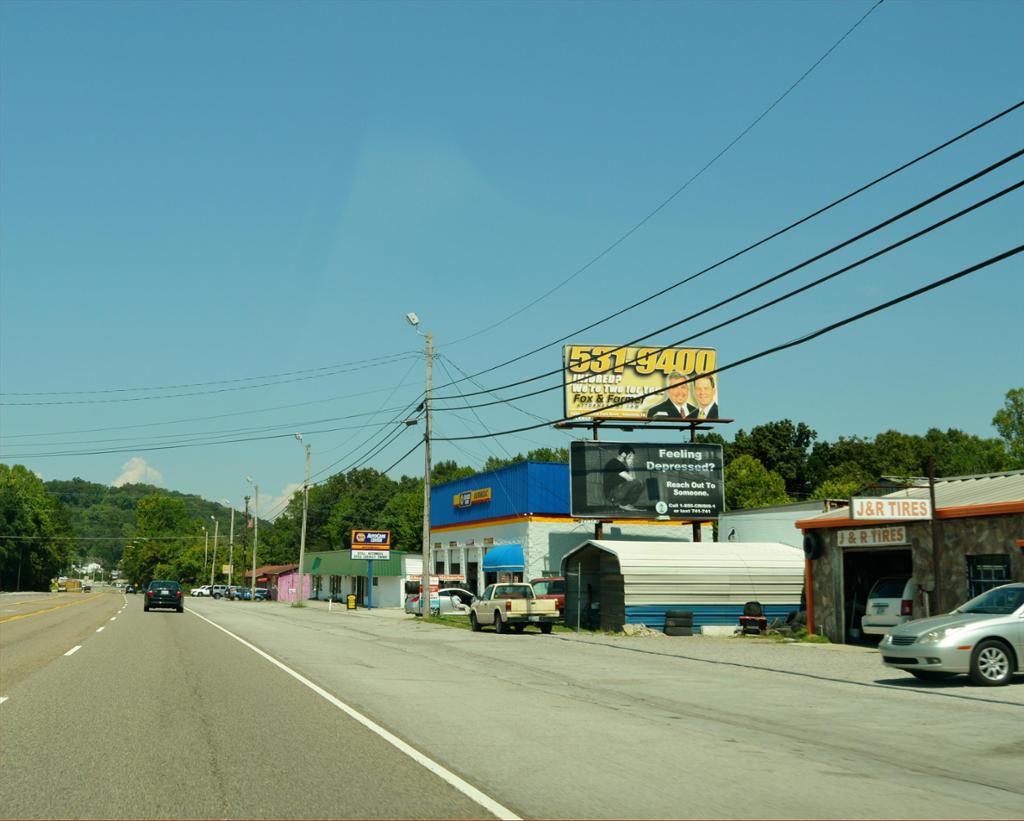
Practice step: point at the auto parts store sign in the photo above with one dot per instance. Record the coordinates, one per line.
(892, 510)
(371, 544)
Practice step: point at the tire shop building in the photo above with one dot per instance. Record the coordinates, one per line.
(974, 541)
(513, 524)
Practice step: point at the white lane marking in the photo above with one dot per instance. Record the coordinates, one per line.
(100, 629)
(462, 786)
(113, 618)
(3, 699)
(73, 650)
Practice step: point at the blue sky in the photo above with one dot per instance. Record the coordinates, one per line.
(216, 194)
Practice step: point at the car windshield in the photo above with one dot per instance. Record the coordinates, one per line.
(999, 601)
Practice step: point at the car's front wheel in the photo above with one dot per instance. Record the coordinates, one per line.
(474, 625)
(991, 664)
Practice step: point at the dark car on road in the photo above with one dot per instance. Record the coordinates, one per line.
(166, 594)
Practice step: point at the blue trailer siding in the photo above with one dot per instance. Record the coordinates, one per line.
(703, 614)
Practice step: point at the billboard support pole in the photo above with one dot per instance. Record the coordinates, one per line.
(695, 525)
(598, 525)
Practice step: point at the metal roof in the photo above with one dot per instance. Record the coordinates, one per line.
(953, 492)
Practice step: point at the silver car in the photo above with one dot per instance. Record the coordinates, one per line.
(448, 601)
(983, 638)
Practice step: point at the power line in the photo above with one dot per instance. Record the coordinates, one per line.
(775, 277)
(792, 344)
(919, 158)
(678, 190)
(360, 363)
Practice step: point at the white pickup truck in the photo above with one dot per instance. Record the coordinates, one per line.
(512, 606)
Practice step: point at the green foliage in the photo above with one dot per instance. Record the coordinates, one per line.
(35, 531)
(782, 447)
(748, 484)
(1009, 421)
(539, 455)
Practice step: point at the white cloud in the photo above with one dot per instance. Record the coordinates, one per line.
(274, 507)
(135, 471)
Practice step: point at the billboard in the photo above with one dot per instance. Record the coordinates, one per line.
(597, 377)
(620, 480)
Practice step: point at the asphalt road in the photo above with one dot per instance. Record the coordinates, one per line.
(173, 715)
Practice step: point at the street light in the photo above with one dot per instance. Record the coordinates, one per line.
(213, 564)
(301, 588)
(414, 320)
(255, 537)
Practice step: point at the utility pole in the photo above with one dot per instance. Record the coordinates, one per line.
(245, 536)
(206, 546)
(300, 586)
(255, 536)
(425, 595)
(213, 563)
(231, 548)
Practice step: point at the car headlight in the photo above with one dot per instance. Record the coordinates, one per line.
(936, 636)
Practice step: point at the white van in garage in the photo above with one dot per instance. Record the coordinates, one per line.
(890, 602)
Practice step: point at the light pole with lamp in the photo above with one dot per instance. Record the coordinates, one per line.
(255, 536)
(213, 562)
(414, 320)
(231, 543)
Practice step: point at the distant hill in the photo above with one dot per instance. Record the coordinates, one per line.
(103, 517)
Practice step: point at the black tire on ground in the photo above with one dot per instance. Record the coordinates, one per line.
(679, 622)
(181, 609)
(546, 628)
(145, 608)
(679, 614)
(992, 664)
(678, 631)
(499, 625)
(474, 625)
(931, 675)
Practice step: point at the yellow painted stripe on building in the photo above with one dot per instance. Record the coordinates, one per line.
(47, 610)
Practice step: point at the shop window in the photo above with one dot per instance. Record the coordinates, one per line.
(456, 568)
(439, 567)
(986, 572)
(376, 580)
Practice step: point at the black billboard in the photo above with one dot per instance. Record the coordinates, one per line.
(622, 480)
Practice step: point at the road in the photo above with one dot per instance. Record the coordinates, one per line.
(245, 710)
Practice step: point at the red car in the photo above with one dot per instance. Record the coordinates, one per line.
(551, 587)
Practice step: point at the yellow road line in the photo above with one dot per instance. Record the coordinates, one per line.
(48, 610)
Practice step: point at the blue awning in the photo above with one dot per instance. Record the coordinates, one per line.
(504, 558)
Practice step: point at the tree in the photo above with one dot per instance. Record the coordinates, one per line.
(782, 447)
(749, 484)
(35, 532)
(164, 533)
(1009, 421)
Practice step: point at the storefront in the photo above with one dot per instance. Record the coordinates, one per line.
(970, 545)
(333, 574)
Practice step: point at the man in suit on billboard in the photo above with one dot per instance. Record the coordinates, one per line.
(676, 404)
(706, 391)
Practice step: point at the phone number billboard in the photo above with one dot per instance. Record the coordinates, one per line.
(621, 480)
(612, 382)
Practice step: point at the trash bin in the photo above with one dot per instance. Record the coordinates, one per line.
(350, 601)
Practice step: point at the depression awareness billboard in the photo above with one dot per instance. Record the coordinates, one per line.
(624, 480)
(610, 382)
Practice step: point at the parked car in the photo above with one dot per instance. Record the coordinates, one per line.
(246, 594)
(219, 591)
(983, 638)
(890, 602)
(163, 593)
(129, 588)
(551, 587)
(234, 592)
(86, 587)
(448, 601)
(512, 606)
(202, 590)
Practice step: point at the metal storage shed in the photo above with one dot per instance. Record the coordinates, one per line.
(637, 582)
